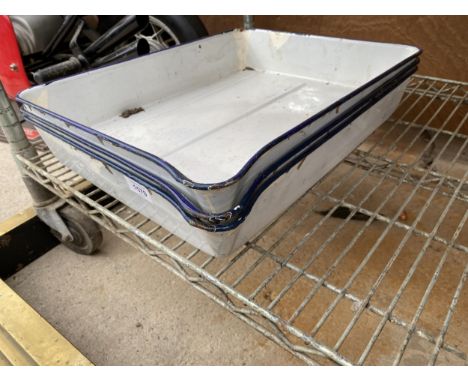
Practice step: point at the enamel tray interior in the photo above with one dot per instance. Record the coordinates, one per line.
(210, 106)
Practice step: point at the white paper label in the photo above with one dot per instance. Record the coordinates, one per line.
(138, 189)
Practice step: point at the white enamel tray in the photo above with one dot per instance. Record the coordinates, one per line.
(205, 138)
(218, 113)
(271, 203)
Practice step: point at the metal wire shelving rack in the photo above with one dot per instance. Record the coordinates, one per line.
(368, 267)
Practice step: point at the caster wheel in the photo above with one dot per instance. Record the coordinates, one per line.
(87, 236)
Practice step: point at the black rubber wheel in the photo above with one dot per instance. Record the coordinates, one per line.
(165, 32)
(87, 236)
(186, 28)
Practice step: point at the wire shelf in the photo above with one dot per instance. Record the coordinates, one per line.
(368, 267)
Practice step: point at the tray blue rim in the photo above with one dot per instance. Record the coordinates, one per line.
(232, 218)
(181, 178)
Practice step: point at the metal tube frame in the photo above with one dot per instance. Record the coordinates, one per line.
(45, 202)
(248, 22)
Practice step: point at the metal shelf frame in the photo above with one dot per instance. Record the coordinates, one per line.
(382, 284)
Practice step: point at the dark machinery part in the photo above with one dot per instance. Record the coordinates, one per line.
(73, 44)
(121, 31)
(132, 50)
(33, 33)
(65, 29)
(70, 66)
(124, 29)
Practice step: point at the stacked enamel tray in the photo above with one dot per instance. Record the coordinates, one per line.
(215, 139)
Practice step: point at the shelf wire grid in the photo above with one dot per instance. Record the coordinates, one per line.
(368, 267)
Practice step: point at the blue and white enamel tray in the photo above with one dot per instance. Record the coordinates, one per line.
(206, 138)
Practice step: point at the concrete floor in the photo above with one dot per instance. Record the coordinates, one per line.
(13, 194)
(122, 308)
